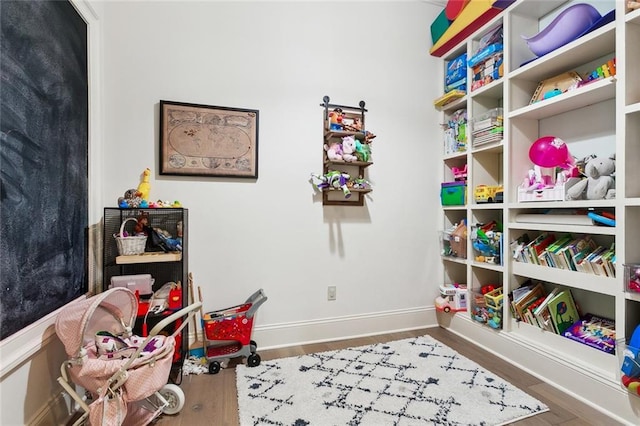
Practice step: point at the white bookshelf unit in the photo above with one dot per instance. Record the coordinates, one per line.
(600, 118)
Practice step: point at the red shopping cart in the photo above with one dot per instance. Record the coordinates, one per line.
(228, 333)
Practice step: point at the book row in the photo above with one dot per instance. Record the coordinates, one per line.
(557, 312)
(575, 253)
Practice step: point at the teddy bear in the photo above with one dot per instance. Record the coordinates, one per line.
(348, 149)
(599, 182)
(334, 151)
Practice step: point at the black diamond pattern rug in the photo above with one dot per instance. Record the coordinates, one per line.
(417, 381)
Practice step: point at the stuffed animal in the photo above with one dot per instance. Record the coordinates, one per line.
(599, 182)
(332, 179)
(131, 199)
(145, 187)
(339, 180)
(363, 151)
(348, 149)
(335, 119)
(334, 151)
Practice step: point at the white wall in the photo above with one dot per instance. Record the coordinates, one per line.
(280, 58)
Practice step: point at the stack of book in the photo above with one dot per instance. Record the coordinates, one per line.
(573, 253)
(554, 312)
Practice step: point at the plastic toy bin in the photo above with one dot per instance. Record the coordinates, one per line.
(629, 358)
(453, 193)
(485, 313)
(632, 277)
(487, 127)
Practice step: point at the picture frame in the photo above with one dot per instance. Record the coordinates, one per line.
(208, 141)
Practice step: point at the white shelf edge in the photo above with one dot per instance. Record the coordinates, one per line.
(580, 280)
(632, 202)
(633, 17)
(633, 108)
(455, 156)
(588, 44)
(578, 204)
(574, 229)
(489, 147)
(489, 266)
(592, 93)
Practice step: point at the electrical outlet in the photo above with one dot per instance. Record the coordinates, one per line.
(331, 292)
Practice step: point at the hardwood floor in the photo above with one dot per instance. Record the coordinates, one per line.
(211, 399)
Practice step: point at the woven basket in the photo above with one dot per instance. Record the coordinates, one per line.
(130, 245)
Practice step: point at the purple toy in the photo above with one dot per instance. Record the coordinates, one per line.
(570, 24)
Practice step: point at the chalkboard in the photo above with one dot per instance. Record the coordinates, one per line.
(43, 160)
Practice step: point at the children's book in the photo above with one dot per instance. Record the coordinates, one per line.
(594, 331)
(536, 293)
(563, 310)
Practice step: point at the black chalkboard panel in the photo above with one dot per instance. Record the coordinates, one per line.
(43, 159)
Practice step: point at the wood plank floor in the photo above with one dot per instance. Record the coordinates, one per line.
(211, 399)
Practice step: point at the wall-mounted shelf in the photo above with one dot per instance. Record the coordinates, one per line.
(339, 122)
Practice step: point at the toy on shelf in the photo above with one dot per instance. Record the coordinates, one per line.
(144, 188)
(555, 86)
(486, 240)
(569, 25)
(487, 127)
(551, 151)
(488, 194)
(456, 74)
(459, 174)
(455, 132)
(454, 241)
(487, 62)
(335, 119)
(632, 277)
(599, 182)
(453, 298)
(333, 179)
(630, 367)
(594, 331)
(131, 199)
(603, 71)
(487, 306)
(449, 97)
(348, 149)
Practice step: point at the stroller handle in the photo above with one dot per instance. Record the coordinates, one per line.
(190, 309)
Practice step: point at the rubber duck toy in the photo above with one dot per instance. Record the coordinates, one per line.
(145, 187)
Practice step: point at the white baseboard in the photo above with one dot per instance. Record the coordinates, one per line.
(330, 329)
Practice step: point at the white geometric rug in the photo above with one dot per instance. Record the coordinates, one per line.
(417, 381)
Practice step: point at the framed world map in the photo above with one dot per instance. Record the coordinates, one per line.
(202, 140)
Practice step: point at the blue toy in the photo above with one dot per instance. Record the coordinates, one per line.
(631, 363)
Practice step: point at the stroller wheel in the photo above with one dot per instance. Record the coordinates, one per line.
(253, 360)
(174, 396)
(214, 367)
(253, 345)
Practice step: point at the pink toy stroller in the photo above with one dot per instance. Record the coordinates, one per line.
(125, 376)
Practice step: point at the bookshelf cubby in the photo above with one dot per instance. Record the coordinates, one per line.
(600, 118)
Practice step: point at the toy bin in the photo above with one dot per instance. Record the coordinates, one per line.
(629, 360)
(453, 241)
(632, 277)
(487, 127)
(556, 192)
(453, 193)
(487, 247)
(484, 313)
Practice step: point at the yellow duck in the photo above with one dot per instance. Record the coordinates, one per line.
(145, 187)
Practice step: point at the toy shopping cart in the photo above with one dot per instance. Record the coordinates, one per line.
(228, 333)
